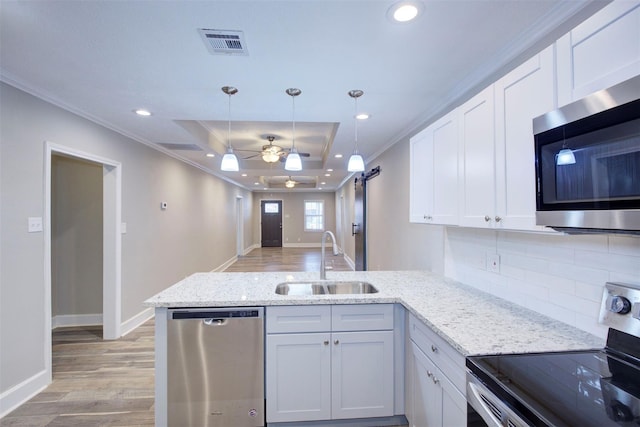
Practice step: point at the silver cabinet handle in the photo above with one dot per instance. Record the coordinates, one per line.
(336, 342)
(498, 218)
(428, 217)
(434, 348)
(429, 374)
(487, 218)
(326, 342)
(435, 380)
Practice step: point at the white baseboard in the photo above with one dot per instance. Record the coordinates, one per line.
(302, 245)
(350, 262)
(250, 248)
(76, 320)
(136, 320)
(20, 393)
(224, 265)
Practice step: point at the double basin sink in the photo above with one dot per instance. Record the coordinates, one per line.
(325, 287)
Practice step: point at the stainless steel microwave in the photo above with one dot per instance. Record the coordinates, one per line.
(587, 157)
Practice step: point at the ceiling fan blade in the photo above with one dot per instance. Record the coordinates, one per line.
(250, 157)
(250, 151)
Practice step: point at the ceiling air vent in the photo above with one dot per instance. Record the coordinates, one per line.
(224, 42)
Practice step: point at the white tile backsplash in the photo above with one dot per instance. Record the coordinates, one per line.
(557, 275)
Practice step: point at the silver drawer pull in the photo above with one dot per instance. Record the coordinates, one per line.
(434, 348)
(326, 342)
(336, 342)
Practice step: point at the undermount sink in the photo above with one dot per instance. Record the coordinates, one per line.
(325, 288)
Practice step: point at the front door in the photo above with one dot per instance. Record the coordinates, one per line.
(358, 227)
(271, 220)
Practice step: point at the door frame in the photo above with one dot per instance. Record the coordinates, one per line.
(112, 243)
(239, 226)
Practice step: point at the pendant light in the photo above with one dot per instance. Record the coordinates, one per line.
(290, 183)
(565, 156)
(293, 163)
(229, 161)
(356, 163)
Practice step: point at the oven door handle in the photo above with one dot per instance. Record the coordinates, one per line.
(492, 410)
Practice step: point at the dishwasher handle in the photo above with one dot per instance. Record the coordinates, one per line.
(210, 316)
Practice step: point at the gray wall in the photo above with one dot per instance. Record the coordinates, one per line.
(293, 233)
(392, 242)
(76, 237)
(196, 233)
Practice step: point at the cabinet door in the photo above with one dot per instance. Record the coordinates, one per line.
(600, 52)
(420, 177)
(521, 95)
(444, 167)
(427, 396)
(454, 404)
(434, 173)
(362, 374)
(477, 160)
(298, 377)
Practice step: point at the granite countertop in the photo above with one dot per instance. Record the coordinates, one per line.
(472, 321)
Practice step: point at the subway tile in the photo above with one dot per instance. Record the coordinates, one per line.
(590, 291)
(624, 245)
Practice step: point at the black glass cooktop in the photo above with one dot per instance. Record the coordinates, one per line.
(586, 388)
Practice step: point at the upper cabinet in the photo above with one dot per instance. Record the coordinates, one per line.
(477, 160)
(602, 51)
(434, 173)
(524, 93)
(475, 167)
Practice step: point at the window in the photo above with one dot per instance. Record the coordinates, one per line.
(313, 215)
(271, 207)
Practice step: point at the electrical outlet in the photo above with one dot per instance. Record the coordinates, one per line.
(35, 224)
(493, 263)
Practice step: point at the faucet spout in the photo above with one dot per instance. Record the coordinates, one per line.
(323, 269)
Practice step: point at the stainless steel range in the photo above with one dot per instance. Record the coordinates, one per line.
(595, 388)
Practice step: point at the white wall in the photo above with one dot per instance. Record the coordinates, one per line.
(196, 233)
(557, 275)
(392, 242)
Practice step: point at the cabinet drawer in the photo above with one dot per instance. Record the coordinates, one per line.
(366, 317)
(306, 318)
(448, 360)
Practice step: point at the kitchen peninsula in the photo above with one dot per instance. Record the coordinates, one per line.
(462, 319)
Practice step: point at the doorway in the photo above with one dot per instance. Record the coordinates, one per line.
(239, 226)
(111, 243)
(359, 225)
(76, 242)
(271, 223)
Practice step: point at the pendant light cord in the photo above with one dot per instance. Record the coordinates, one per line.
(293, 121)
(229, 129)
(355, 145)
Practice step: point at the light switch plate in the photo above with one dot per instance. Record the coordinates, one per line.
(35, 224)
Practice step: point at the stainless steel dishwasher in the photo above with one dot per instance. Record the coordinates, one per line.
(216, 367)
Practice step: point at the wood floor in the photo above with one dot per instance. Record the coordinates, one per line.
(111, 383)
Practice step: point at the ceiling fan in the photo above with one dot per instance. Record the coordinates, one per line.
(271, 153)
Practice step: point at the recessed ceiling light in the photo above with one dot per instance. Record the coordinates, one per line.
(323, 183)
(404, 11)
(244, 174)
(338, 156)
(210, 155)
(256, 183)
(327, 174)
(329, 170)
(142, 112)
(362, 116)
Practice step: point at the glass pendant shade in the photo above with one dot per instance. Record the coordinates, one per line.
(229, 162)
(356, 163)
(294, 162)
(565, 157)
(290, 183)
(270, 157)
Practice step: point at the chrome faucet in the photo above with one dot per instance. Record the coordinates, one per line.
(323, 270)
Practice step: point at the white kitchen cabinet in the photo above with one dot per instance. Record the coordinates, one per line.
(520, 96)
(476, 156)
(338, 373)
(434, 173)
(436, 376)
(600, 52)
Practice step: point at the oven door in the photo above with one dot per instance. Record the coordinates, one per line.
(486, 409)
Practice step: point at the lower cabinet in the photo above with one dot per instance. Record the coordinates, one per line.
(435, 378)
(332, 374)
(437, 401)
